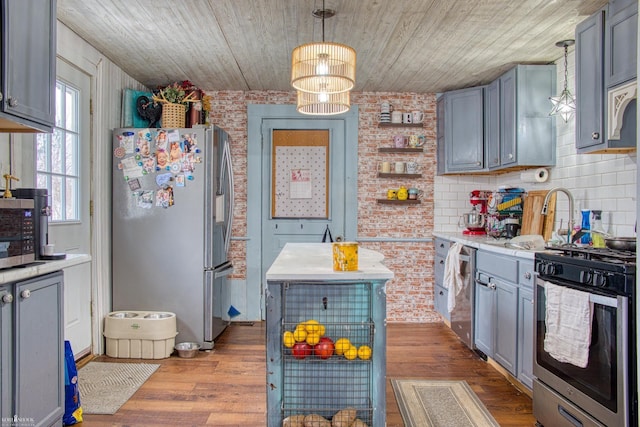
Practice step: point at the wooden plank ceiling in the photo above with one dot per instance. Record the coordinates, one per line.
(421, 46)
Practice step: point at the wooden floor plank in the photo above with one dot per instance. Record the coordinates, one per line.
(225, 387)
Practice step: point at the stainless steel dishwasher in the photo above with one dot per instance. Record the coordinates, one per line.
(462, 322)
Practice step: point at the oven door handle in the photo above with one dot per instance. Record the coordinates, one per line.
(598, 299)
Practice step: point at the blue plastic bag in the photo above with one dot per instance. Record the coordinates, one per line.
(72, 407)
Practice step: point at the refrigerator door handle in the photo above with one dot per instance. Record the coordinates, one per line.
(223, 271)
(229, 216)
(208, 305)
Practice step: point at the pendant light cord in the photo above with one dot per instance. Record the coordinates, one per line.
(323, 13)
(566, 48)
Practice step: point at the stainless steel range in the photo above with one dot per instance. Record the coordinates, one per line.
(603, 390)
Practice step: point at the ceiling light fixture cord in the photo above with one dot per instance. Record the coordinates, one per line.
(323, 13)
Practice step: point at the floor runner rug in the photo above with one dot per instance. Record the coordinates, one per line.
(427, 403)
(104, 387)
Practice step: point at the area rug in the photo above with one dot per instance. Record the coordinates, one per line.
(425, 403)
(105, 387)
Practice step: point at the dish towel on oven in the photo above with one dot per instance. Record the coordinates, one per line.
(453, 280)
(568, 321)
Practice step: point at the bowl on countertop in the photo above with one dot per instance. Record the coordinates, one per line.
(187, 349)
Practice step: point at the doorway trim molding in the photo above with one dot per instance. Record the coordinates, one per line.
(256, 115)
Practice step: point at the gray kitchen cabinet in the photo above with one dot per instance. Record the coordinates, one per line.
(33, 350)
(492, 120)
(27, 100)
(506, 330)
(526, 279)
(6, 353)
(463, 138)
(525, 337)
(501, 126)
(441, 294)
(621, 43)
(522, 133)
(606, 44)
(498, 332)
(440, 143)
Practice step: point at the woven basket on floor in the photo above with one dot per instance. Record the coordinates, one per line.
(173, 115)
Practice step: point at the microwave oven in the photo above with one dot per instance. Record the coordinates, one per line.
(17, 232)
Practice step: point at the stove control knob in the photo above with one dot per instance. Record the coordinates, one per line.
(599, 279)
(551, 269)
(586, 277)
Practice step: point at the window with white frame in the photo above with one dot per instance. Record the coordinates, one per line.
(58, 157)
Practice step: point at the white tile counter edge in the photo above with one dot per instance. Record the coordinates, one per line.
(480, 242)
(21, 273)
(314, 262)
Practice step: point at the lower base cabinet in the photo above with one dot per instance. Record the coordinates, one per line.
(525, 337)
(32, 351)
(504, 312)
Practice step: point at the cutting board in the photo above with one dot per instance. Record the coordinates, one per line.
(533, 222)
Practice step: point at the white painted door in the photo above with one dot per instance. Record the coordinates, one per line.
(74, 236)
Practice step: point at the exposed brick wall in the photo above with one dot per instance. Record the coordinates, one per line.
(410, 293)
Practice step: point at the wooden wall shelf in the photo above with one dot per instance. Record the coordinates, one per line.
(400, 150)
(400, 125)
(399, 175)
(398, 202)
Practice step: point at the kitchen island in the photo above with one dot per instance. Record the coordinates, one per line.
(349, 305)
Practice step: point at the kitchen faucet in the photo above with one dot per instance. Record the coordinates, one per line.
(545, 207)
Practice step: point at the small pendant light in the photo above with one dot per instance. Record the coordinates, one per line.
(565, 104)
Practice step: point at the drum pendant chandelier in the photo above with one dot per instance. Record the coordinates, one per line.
(323, 73)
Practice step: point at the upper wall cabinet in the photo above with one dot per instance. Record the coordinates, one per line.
(606, 46)
(502, 126)
(462, 130)
(526, 133)
(27, 101)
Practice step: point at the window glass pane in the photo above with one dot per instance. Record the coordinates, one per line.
(57, 150)
(57, 161)
(42, 181)
(59, 102)
(42, 151)
(56, 198)
(71, 154)
(71, 199)
(71, 98)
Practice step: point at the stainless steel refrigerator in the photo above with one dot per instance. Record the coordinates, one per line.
(172, 199)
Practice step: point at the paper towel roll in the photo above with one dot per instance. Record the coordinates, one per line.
(536, 175)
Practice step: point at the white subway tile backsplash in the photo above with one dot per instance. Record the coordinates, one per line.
(597, 181)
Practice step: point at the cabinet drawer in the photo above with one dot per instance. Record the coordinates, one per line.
(525, 273)
(438, 269)
(498, 265)
(442, 246)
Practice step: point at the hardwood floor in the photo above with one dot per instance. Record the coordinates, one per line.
(226, 386)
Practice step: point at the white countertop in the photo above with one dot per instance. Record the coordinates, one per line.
(314, 262)
(39, 268)
(487, 243)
